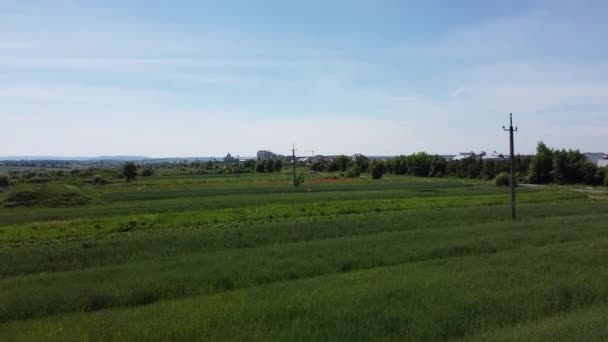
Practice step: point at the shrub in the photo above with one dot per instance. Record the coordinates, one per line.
(377, 169)
(352, 172)
(299, 179)
(45, 195)
(99, 180)
(503, 179)
(129, 171)
(259, 166)
(147, 171)
(269, 166)
(4, 181)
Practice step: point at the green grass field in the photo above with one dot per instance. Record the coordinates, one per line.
(215, 258)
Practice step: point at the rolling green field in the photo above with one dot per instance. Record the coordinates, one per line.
(215, 258)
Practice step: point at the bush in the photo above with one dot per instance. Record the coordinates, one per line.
(99, 180)
(129, 171)
(377, 169)
(503, 179)
(269, 166)
(147, 171)
(45, 195)
(259, 166)
(4, 181)
(299, 179)
(352, 172)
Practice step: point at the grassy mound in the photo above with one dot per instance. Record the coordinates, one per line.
(48, 195)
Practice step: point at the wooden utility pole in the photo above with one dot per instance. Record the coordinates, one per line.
(293, 163)
(238, 165)
(512, 162)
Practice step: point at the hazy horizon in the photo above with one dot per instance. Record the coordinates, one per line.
(373, 77)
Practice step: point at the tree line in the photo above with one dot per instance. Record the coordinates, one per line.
(547, 166)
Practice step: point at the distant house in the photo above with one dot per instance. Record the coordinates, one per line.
(464, 155)
(320, 158)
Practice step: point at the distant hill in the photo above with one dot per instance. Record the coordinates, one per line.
(119, 158)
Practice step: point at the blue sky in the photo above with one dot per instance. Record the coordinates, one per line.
(200, 78)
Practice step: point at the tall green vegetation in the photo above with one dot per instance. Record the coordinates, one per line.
(503, 179)
(268, 166)
(563, 167)
(419, 164)
(148, 171)
(377, 169)
(338, 260)
(4, 181)
(541, 165)
(129, 171)
(342, 162)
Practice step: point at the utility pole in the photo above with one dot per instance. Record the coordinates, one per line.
(293, 163)
(238, 165)
(512, 160)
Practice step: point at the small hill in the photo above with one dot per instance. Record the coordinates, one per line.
(47, 195)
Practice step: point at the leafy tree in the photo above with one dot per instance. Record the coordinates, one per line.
(570, 167)
(438, 166)
(4, 182)
(299, 179)
(377, 169)
(278, 165)
(362, 162)
(260, 166)
(541, 165)
(419, 164)
(397, 165)
(129, 171)
(352, 171)
(249, 165)
(342, 162)
(147, 171)
(488, 170)
(317, 166)
(269, 166)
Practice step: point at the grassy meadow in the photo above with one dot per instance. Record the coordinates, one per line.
(251, 258)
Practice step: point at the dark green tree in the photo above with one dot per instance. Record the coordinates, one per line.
(129, 171)
(377, 169)
(332, 166)
(147, 171)
(342, 162)
(541, 165)
(260, 166)
(269, 166)
(4, 182)
(362, 162)
(278, 165)
(352, 171)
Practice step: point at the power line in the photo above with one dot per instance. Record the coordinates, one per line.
(512, 185)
